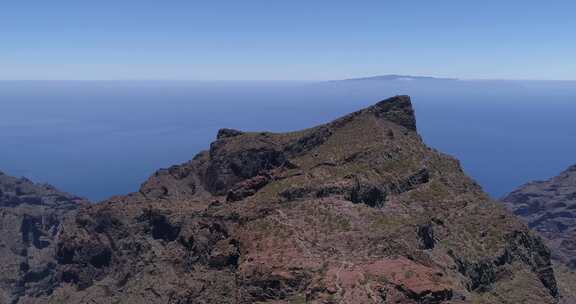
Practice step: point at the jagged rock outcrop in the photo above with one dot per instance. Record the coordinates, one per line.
(549, 207)
(358, 210)
(30, 220)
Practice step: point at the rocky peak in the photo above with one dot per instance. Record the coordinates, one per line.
(357, 210)
(225, 133)
(240, 156)
(397, 109)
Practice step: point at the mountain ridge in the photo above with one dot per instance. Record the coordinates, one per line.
(357, 210)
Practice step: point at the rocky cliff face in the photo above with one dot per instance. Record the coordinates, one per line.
(30, 219)
(549, 207)
(358, 210)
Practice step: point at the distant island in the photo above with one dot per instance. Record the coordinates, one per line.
(394, 77)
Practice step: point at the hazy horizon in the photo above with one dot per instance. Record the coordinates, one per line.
(255, 39)
(357, 77)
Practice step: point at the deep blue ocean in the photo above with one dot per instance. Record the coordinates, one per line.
(102, 138)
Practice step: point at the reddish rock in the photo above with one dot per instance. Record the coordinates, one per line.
(357, 210)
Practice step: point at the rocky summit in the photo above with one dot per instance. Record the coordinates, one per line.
(549, 207)
(357, 210)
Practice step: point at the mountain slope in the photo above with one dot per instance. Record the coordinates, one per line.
(549, 207)
(358, 210)
(30, 217)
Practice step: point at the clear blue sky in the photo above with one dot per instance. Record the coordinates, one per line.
(312, 39)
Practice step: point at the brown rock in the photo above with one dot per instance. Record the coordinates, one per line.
(31, 218)
(358, 210)
(549, 208)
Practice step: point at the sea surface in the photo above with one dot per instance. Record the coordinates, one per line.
(102, 138)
